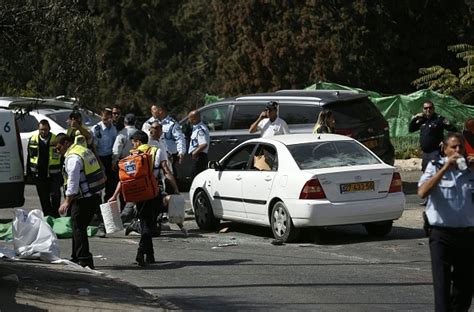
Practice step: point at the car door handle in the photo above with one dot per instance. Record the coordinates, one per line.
(215, 141)
(232, 140)
(238, 178)
(268, 179)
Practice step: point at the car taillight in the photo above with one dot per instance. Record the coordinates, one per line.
(396, 184)
(347, 132)
(386, 126)
(312, 190)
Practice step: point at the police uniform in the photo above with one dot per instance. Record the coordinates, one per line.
(199, 136)
(174, 139)
(450, 213)
(104, 138)
(83, 180)
(44, 166)
(431, 135)
(147, 124)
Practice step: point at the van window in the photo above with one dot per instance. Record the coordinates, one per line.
(299, 114)
(348, 113)
(214, 117)
(245, 115)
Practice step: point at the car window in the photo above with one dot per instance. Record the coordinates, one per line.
(298, 114)
(317, 155)
(358, 111)
(245, 115)
(265, 159)
(214, 117)
(27, 123)
(61, 118)
(239, 159)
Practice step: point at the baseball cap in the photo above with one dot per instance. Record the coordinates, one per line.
(271, 105)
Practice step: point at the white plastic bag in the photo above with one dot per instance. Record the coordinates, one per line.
(111, 215)
(33, 238)
(176, 208)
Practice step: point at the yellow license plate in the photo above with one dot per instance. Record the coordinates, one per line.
(357, 187)
(371, 143)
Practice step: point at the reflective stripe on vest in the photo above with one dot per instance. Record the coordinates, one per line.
(54, 159)
(92, 170)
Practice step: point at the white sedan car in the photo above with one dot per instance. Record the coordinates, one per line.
(289, 182)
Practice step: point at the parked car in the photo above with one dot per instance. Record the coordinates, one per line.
(229, 120)
(290, 182)
(29, 111)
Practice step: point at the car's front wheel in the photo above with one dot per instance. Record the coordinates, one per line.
(203, 212)
(379, 228)
(281, 223)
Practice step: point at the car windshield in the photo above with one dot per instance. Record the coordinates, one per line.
(317, 155)
(88, 120)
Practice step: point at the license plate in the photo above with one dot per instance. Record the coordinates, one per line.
(357, 187)
(371, 143)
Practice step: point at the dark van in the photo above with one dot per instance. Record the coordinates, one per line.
(229, 120)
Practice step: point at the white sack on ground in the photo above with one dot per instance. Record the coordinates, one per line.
(33, 238)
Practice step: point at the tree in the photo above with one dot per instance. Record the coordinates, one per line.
(443, 80)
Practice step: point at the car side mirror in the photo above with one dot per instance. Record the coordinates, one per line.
(213, 164)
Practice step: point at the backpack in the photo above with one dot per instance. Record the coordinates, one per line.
(136, 177)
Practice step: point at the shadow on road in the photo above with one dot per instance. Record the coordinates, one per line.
(171, 265)
(333, 235)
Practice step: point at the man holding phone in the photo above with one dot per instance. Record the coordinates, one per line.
(268, 122)
(431, 126)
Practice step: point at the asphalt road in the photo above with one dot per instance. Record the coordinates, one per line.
(337, 269)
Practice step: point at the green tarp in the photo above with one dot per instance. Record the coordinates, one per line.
(61, 226)
(399, 109)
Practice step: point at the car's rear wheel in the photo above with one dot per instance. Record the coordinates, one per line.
(379, 228)
(203, 212)
(281, 223)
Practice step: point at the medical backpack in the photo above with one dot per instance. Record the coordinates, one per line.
(136, 177)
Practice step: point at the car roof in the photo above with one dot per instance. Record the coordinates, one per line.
(33, 103)
(321, 96)
(290, 139)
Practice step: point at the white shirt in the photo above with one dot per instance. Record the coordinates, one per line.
(277, 127)
(123, 143)
(75, 176)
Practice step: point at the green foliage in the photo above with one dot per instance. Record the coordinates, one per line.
(137, 52)
(444, 81)
(406, 147)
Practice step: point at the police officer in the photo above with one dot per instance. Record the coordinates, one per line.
(104, 134)
(450, 213)
(173, 137)
(199, 143)
(83, 183)
(431, 126)
(44, 166)
(154, 117)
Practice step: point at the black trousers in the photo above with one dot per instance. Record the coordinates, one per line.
(199, 164)
(112, 180)
(452, 266)
(49, 193)
(82, 212)
(147, 212)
